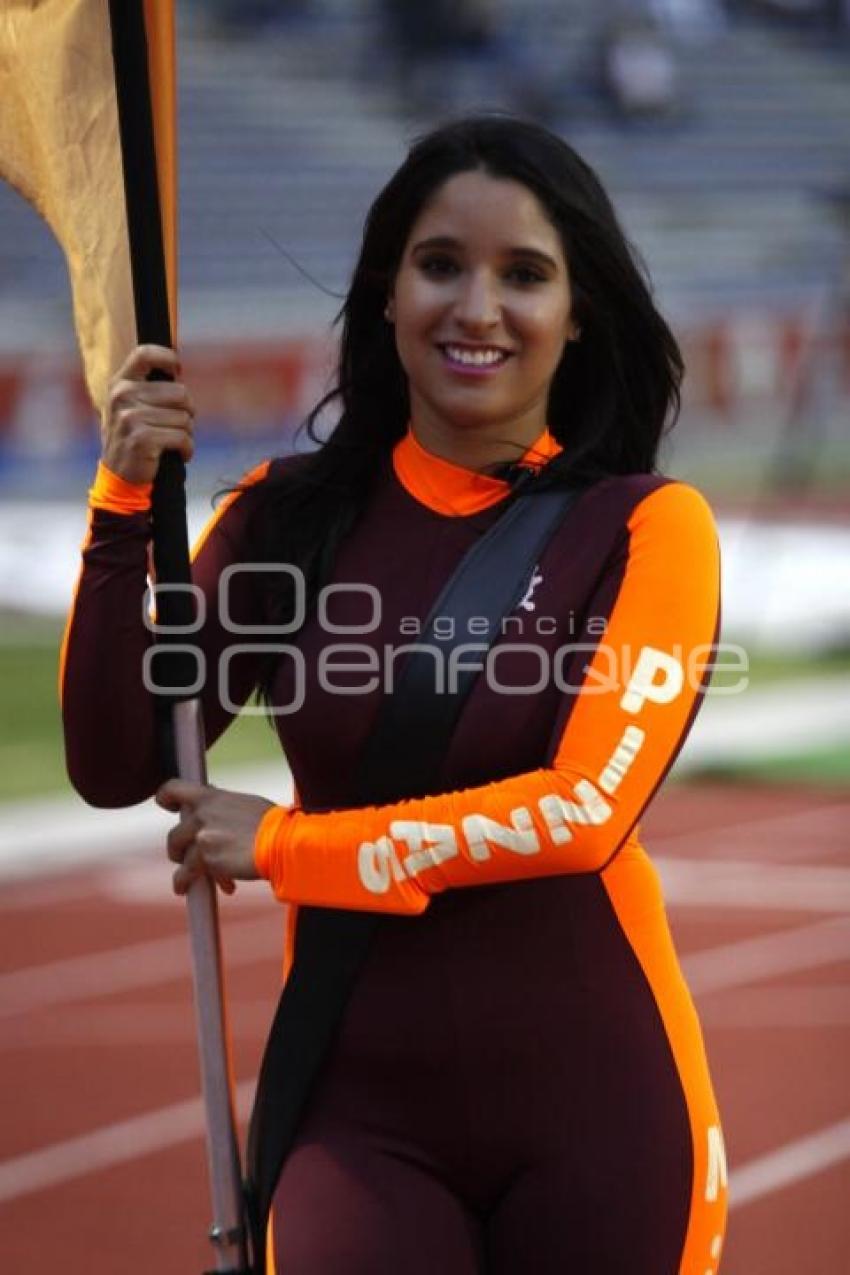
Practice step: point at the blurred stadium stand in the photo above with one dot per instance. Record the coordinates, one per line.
(739, 200)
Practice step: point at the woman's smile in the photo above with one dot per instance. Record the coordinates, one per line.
(473, 360)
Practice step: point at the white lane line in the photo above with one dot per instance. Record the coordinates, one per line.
(754, 1008)
(166, 960)
(741, 883)
(60, 833)
(746, 883)
(28, 896)
(789, 1164)
(835, 814)
(129, 1140)
(749, 960)
(114, 1144)
(102, 1024)
(123, 969)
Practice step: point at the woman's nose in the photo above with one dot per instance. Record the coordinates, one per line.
(478, 303)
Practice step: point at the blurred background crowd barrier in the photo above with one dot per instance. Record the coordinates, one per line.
(720, 130)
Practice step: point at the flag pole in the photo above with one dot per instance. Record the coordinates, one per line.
(182, 732)
(227, 1233)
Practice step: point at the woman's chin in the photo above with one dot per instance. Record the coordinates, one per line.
(461, 413)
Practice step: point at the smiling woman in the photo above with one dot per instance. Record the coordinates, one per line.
(509, 1076)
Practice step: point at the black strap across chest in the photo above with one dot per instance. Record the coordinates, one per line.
(402, 759)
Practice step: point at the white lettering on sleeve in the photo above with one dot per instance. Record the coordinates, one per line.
(642, 684)
(520, 836)
(430, 843)
(594, 809)
(716, 1174)
(618, 764)
(375, 862)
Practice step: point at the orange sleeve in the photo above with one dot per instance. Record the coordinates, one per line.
(634, 707)
(117, 496)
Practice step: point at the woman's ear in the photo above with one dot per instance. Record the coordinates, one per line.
(389, 310)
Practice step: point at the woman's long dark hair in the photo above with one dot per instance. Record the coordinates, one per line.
(611, 396)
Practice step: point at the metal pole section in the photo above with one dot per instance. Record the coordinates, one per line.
(227, 1233)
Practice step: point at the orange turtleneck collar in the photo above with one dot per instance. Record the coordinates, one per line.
(451, 489)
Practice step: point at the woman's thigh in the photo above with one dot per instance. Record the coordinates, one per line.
(343, 1205)
(554, 1221)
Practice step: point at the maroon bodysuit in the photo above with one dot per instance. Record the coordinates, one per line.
(518, 1084)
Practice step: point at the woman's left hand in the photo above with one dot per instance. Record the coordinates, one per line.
(215, 834)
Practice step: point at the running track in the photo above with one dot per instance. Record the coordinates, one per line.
(101, 1162)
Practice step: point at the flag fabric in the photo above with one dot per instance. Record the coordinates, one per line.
(60, 147)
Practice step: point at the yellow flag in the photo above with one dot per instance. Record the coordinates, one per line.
(60, 146)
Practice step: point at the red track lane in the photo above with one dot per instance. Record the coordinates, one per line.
(94, 1043)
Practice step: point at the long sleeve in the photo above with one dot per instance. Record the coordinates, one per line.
(635, 702)
(109, 715)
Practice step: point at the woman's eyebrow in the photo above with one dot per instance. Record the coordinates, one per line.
(437, 241)
(534, 254)
(446, 241)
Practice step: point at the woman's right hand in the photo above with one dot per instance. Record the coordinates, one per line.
(142, 418)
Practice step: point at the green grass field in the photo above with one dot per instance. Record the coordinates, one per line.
(747, 473)
(31, 751)
(31, 758)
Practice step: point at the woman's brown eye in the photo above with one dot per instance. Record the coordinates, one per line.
(437, 265)
(525, 274)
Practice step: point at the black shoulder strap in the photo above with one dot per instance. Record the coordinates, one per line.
(407, 746)
(402, 758)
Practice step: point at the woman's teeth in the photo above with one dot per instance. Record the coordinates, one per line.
(474, 358)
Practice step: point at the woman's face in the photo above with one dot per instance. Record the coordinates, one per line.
(482, 309)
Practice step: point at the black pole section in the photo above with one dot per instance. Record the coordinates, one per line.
(181, 728)
(173, 669)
